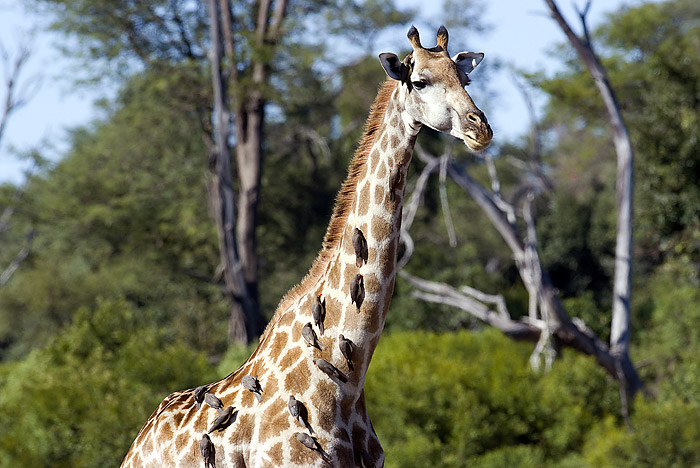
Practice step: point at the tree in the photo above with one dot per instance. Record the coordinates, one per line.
(248, 41)
(239, 255)
(78, 400)
(17, 94)
(547, 321)
(620, 332)
(123, 214)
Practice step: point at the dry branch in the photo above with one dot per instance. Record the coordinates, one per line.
(622, 284)
(19, 258)
(552, 327)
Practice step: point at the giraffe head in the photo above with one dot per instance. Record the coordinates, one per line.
(433, 89)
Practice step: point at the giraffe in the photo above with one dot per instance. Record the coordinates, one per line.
(298, 400)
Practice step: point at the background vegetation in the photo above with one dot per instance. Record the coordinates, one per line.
(118, 303)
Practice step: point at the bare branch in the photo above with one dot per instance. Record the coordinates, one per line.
(504, 206)
(443, 200)
(414, 201)
(582, 16)
(441, 293)
(10, 210)
(15, 97)
(622, 284)
(495, 299)
(411, 206)
(19, 258)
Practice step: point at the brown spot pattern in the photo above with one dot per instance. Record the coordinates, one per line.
(244, 429)
(387, 266)
(363, 205)
(379, 194)
(296, 332)
(290, 356)
(181, 441)
(358, 434)
(375, 322)
(279, 342)
(333, 312)
(394, 141)
(374, 448)
(372, 285)
(286, 319)
(380, 229)
(347, 239)
(381, 171)
(373, 160)
(276, 419)
(165, 433)
(324, 402)
(276, 455)
(297, 381)
(177, 418)
(346, 405)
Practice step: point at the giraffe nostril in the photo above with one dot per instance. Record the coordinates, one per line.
(474, 118)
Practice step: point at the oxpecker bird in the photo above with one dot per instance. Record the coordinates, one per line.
(299, 412)
(311, 443)
(318, 311)
(346, 348)
(310, 337)
(199, 395)
(252, 384)
(222, 421)
(212, 400)
(394, 181)
(206, 448)
(307, 440)
(359, 243)
(293, 406)
(357, 290)
(330, 370)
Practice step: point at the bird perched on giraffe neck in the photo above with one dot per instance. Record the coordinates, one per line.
(253, 385)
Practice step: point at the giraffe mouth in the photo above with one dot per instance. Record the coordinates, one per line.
(476, 144)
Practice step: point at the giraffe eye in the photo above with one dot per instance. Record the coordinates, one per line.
(419, 84)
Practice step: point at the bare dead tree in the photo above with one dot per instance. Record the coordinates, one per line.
(239, 88)
(622, 284)
(547, 322)
(19, 258)
(222, 195)
(17, 94)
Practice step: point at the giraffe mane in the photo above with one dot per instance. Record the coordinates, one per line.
(343, 203)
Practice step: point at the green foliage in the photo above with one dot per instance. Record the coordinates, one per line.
(665, 434)
(80, 400)
(471, 398)
(120, 34)
(124, 214)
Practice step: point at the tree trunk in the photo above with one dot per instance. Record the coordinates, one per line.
(622, 286)
(249, 133)
(244, 319)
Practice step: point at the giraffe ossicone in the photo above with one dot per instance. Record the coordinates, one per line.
(426, 88)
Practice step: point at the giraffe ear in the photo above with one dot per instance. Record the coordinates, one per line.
(392, 65)
(467, 61)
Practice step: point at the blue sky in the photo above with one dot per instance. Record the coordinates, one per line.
(521, 35)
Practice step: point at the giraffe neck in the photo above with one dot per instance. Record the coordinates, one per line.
(375, 210)
(367, 201)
